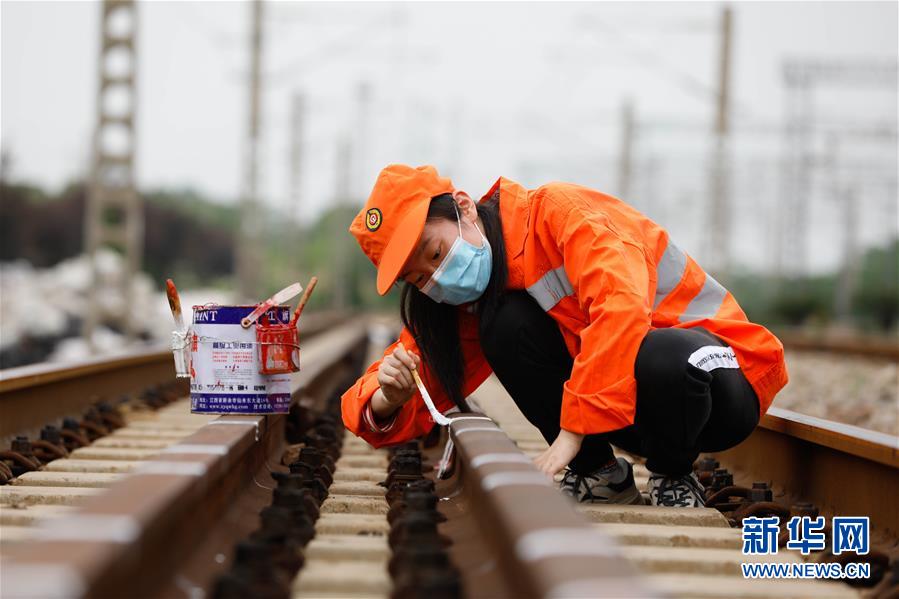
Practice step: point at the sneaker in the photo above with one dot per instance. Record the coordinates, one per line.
(597, 488)
(676, 491)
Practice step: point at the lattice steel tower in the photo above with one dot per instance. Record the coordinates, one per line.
(114, 216)
(804, 164)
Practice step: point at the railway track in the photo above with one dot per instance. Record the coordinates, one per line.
(871, 347)
(177, 505)
(847, 380)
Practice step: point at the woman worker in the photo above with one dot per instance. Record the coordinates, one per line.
(600, 328)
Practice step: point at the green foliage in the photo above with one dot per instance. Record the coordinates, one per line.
(876, 299)
(809, 301)
(804, 301)
(39, 228)
(319, 248)
(196, 207)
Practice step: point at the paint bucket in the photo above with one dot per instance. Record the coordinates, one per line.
(279, 347)
(225, 367)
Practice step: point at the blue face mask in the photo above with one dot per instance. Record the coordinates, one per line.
(463, 274)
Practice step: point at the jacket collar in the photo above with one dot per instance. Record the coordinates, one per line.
(514, 210)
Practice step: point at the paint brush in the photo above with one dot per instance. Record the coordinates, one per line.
(435, 414)
(282, 296)
(174, 304)
(309, 287)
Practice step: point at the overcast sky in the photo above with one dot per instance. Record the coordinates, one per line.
(531, 91)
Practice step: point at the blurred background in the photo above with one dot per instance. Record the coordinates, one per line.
(228, 145)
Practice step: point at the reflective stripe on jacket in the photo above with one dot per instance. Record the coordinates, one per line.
(607, 275)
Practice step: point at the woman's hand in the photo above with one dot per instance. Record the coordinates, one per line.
(560, 453)
(395, 379)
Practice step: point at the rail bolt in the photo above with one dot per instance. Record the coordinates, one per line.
(760, 492)
(313, 456)
(417, 503)
(708, 464)
(443, 584)
(406, 465)
(71, 424)
(254, 560)
(427, 555)
(412, 529)
(804, 508)
(22, 445)
(232, 586)
(396, 484)
(110, 415)
(323, 444)
(50, 434)
(424, 485)
(420, 502)
(721, 478)
(299, 502)
(309, 471)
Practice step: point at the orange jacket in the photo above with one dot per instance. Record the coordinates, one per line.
(607, 275)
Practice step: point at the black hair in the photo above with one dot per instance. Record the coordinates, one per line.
(435, 326)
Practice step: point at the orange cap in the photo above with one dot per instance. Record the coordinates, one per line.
(390, 224)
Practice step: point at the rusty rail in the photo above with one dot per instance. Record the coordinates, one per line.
(844, 469)
(32, 396)
(133, 538)
(872, 347)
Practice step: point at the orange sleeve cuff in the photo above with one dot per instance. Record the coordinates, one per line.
(588, 414)
(374, 426)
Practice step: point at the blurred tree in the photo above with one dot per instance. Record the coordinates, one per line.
(186, 235)
(187, 238)
(876, 300)
(805, 301)
(318, 248)
(40, 229)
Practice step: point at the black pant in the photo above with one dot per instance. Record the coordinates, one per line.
(682, 410)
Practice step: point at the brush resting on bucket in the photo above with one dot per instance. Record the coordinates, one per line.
(279, 345)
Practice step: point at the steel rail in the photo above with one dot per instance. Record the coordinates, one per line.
(872, 347)
(32, 396)
(844, 469)
(544, 548)
(132, 539)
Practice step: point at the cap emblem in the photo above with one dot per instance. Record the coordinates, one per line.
(373, 219)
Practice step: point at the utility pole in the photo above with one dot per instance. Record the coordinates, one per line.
(801, 134)
(341, 258)
(360, 142)
(890, 265)
(625, 153)
(848, 278)
(454, 145)
(847, 199)
(297, 113)
(114, 217)
(718, 251)
(249, 263)
(648, 191)
(5, 164)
